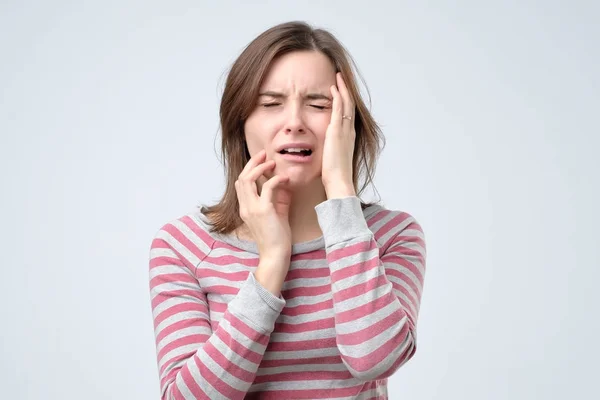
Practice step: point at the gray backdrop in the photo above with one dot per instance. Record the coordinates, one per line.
(108, 118)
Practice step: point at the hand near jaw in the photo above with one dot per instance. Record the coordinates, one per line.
(266, 215)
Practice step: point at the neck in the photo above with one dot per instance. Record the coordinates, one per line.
(302, 215)
(303, 218)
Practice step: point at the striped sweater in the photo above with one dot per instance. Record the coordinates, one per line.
(344, 322)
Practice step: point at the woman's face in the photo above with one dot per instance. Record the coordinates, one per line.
(293, 111)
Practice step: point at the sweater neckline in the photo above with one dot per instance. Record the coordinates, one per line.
(251, 246)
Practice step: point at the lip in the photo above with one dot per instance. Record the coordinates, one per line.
(296, 159)
(296, 145)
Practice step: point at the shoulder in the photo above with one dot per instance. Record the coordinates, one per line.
(389, 224)
(188, 235)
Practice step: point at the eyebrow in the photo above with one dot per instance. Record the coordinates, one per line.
(309, 96)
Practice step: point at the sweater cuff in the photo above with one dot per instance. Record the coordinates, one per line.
(256, 305)
(341, 219)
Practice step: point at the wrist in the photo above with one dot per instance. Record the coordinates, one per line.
(339, 191)
(271, 273)
(274, 256)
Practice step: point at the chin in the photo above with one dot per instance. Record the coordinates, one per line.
(303, 181)
(298, 183)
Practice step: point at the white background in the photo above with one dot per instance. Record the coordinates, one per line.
(109, 123)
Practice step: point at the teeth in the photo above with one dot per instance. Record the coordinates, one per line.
(295, 150)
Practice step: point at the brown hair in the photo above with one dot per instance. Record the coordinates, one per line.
(241, 93)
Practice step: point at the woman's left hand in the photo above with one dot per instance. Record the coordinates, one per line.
(338, 149)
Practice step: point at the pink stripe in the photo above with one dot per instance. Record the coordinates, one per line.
(357, 269)
(408, 309)
(237, 347)
(221, 289)
(221, 386)
(246, 330)
(402, 242)
(404, 291)
(377, 217)
(198, 231)
(226, 260)
(228, 365)
(363, 310)
(412, 239)
(310, 394)
(191, 384)
(408, 354)
(305, 291)
(393, 223)
(397, 271)
(186, 242)
(307, 273)
(313, 255)
(371, 360)
(183, 324)
(176, 393)
(326, 323)
(160, 243)
(307, 309)
(173, 278)
(404, 250)
(360, 290)
(303, 376)
(352, 250)
(217, 306)
(189, 305)
(162, 261)
(371, 331)
(178, 358)
(184, 341)
(331, 360)
(238, 276)
(299, 345)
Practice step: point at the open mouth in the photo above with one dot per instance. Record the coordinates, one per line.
(298, 153)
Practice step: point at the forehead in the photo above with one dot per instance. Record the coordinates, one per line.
(300, 70)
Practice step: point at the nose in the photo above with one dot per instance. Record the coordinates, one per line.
(294, 122)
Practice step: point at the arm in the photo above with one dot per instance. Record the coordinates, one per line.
(194, 361)
(376, 292)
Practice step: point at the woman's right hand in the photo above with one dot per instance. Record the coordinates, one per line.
(266, 215)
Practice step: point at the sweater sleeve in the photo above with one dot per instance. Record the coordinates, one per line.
(376, 289)
(195, 362)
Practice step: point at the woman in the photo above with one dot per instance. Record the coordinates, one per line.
(290, 287)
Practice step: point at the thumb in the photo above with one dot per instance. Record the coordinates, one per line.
(282, 199)
(259, 183)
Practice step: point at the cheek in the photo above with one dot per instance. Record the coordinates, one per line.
(254, 145)
(255, 135)
(319, 126)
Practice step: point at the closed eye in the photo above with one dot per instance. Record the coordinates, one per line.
(318, 107)
(267, 105)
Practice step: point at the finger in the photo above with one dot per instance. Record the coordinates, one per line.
(259, 170)
(246, 185)
(253, 162)
(336, 106)
(249, 190)
(252, 182)
(347, 103)
(271, 185)
(258, 175)
(242, 201)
